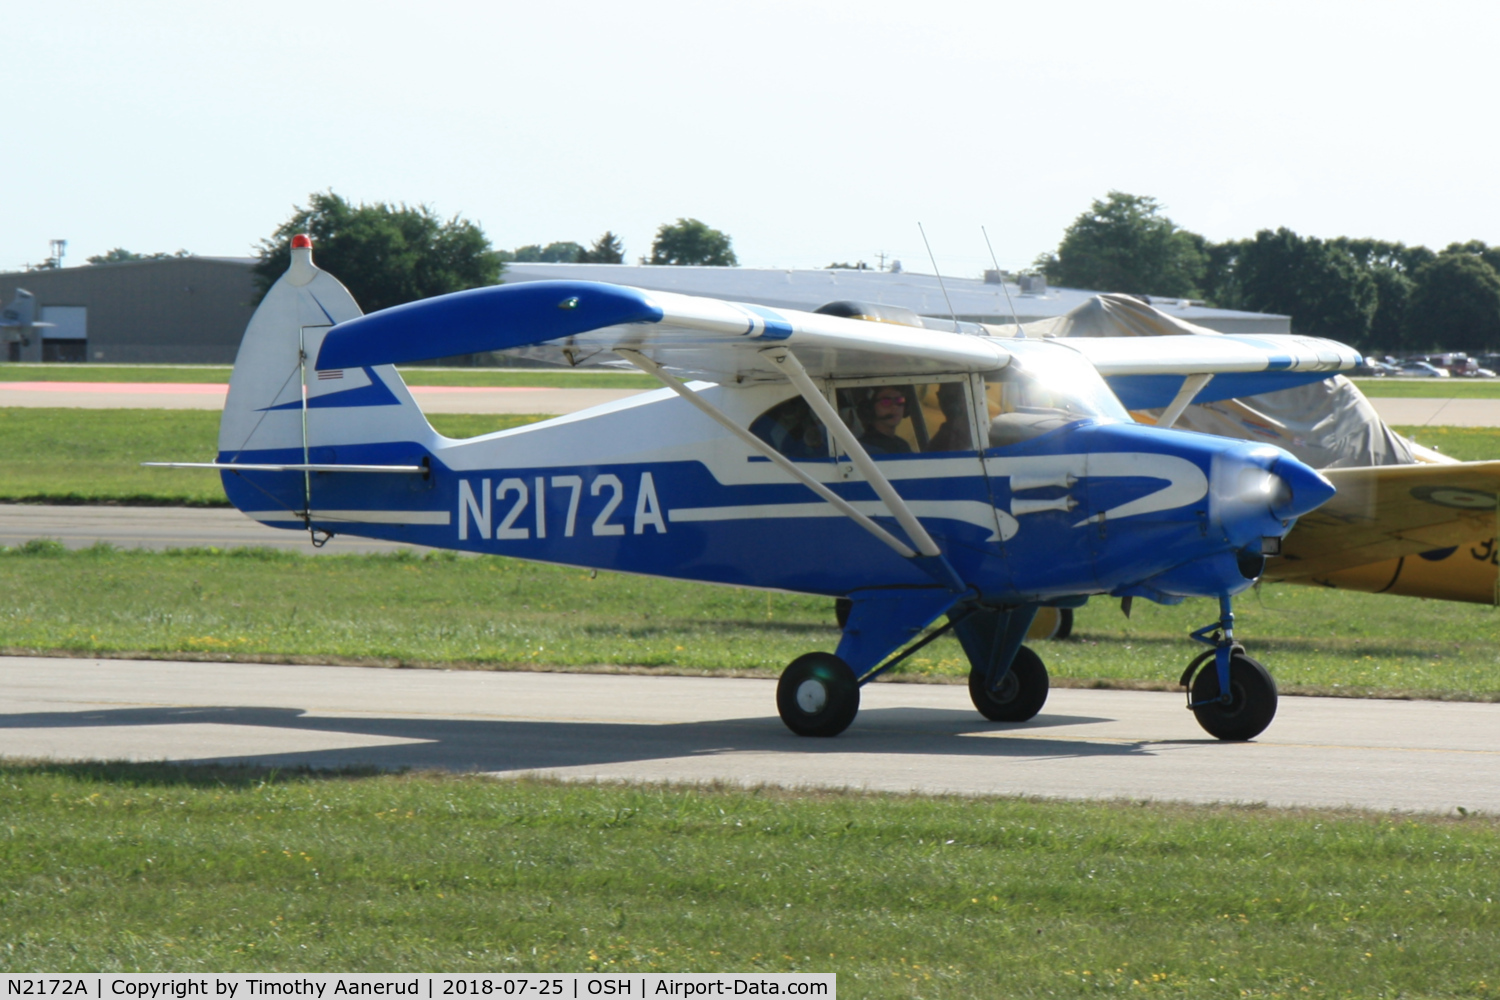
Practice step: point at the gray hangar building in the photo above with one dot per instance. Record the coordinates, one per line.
(176, 310)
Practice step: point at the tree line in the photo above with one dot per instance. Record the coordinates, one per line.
(388, 254)
(1372, 294)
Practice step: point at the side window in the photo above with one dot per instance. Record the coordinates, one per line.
(1022, 407)
(908, 418)
(791, 428)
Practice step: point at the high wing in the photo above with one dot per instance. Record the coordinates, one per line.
(1389, 511)
(1148, 372)
(722, 341)
(696, 336)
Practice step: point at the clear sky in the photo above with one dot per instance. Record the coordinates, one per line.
(810, 132)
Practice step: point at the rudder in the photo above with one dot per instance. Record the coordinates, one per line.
(282, 410)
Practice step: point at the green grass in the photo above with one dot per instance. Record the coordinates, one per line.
(1467, 444)
(1430, 388)
(94, 456)
(492, 613)
(31, 372)
(557, 378)
(165, 869)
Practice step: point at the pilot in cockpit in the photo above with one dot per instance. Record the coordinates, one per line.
(887, 408)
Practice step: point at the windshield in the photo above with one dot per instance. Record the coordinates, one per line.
(1044, 387)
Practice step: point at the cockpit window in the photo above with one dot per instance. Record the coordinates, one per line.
(895, 419)
(902, 419)
(791, 428)
(1042, 389)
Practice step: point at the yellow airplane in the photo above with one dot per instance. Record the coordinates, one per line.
(1425, 530)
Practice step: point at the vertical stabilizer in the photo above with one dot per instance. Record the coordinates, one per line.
(280, 408)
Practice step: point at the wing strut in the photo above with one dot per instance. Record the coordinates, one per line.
(650, 367)
(792, 369)
(1191, 386)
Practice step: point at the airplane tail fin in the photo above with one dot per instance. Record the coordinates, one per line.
(21, 313)
(280, 409)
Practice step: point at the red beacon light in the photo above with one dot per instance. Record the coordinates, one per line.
(301, 242)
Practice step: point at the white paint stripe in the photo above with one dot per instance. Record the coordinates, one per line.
(973, 512)
(438, 517)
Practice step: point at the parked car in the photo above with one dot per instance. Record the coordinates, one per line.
(1374, 369)
(1423, 369)
(1455, 362)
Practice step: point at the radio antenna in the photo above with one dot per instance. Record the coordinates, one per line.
(1008, 301)
(951, 314)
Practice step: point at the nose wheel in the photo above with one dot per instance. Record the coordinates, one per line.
(1231, 694)
(1251, 704)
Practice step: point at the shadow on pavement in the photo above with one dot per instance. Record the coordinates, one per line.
(525, 745)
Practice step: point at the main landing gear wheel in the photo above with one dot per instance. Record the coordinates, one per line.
(1021, 694)
(1251, 705)
(818, 695)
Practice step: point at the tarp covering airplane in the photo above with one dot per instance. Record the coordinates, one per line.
(1328, 423)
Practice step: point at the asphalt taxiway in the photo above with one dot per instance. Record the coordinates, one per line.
(79, 526)
(1320, 752)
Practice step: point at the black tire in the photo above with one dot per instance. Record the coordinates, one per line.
(818, 695)
(1253, 699)
(1022, 693)
(1065, 627)
(841, 609)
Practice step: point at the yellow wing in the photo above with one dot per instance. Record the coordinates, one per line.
(1387, 512)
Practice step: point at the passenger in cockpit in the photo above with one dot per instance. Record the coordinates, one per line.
(954, 434)
(791, 429)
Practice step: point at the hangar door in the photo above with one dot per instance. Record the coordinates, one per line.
(68, 338)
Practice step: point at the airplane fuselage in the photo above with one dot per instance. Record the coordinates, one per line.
(651, 486)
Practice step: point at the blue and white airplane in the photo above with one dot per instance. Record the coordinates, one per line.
(919, 474)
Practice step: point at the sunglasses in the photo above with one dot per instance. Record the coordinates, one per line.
(893, 400)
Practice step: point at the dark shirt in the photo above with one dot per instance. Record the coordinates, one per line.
(952, 436)
(878, 442)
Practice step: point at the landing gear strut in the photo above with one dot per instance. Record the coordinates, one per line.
(1235, 698)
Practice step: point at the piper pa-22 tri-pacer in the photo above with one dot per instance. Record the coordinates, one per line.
(920, 474)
